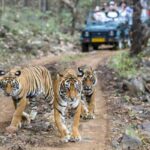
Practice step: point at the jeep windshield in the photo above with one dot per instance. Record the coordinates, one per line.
(101, 18)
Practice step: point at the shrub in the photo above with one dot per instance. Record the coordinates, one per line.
(124, 64)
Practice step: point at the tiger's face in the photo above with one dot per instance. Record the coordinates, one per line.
(9, 83)
(88, 80)
(70, 88)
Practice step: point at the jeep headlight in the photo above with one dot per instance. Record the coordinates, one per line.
(111, 33)
(86, 34)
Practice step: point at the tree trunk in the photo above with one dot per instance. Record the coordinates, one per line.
(136, 35)
(2, 9)
(26, 3)
(73, 24)
(44, 5)
(72, 5)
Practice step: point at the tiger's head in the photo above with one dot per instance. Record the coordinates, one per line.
(88, 79)
(9, 83)
(70, 86)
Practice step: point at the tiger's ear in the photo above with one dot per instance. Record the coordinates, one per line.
(80, 72)
(18, 73)
(2, 72)
(60, 74)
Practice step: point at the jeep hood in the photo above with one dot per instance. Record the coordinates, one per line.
(101, 27)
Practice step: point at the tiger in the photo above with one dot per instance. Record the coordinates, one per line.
(2, 73)
(89, 81)
(67, 104)
(21, 84)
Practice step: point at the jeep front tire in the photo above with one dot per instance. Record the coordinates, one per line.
(85, 47)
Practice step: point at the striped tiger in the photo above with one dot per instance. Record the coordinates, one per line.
(2, 73)
(25, 83)
(89, 81)
(67, 104)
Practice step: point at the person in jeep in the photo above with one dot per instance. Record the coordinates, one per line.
(99, 14)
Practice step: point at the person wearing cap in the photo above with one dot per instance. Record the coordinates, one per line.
(125, 22)
(99, 14)
(113, 6)
(125, 12)
(96, 14)
(105, 7)
(144, 13)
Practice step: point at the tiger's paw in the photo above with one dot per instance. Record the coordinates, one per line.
(11, 129)
(26, 118)
(84, 116)
(75, 138)
(90, 116)
(65, 139)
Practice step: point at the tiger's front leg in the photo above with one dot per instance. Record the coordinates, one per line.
(61, 126)
(91, 107)
(84, 111)
(75, 136)
(17, 116)
(25, 117)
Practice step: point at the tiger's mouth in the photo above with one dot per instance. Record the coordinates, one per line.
(11, 93)
(7, 94)
(88, 90)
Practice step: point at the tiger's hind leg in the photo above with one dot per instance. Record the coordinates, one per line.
(75, 136)
(17, 116)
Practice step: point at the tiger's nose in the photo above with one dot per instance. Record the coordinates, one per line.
(7, 94)
(72, 99)
(87, 88)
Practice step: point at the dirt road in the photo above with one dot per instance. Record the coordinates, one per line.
(93, 132)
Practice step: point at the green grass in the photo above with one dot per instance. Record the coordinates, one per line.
(124, 64)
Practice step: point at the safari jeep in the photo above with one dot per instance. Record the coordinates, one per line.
(108, 32)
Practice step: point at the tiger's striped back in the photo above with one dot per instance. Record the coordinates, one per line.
(28, 82)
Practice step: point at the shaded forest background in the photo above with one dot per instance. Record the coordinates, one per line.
(64, 15)
(67, 14)
(36, 28)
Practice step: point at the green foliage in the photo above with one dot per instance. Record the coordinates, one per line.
(124, 64)
(132, 132)
(65, 18)
(85, 4)
(83, 8)
(30, 32)
(20, 20)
